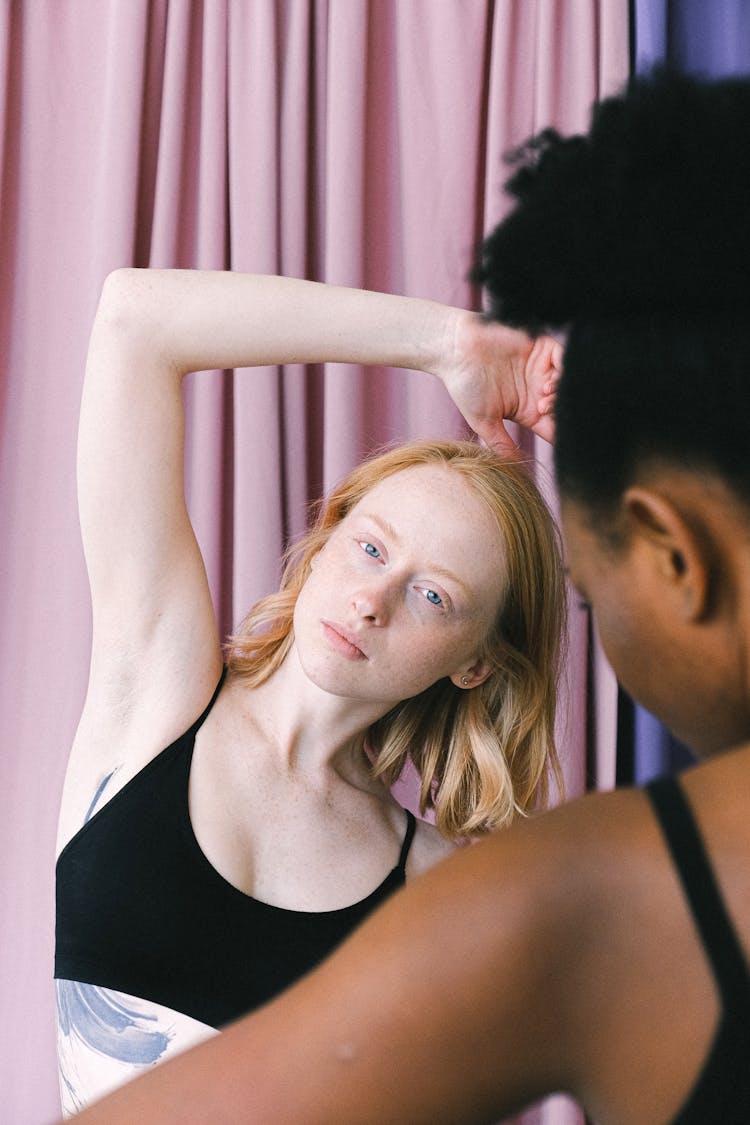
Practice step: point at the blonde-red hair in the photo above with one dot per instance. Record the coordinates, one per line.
(486, 754)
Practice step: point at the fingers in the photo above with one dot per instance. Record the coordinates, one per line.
(545, 361)
(496, 435)
(546, 401)
(545, 428)
(551, 354)
(549, 389)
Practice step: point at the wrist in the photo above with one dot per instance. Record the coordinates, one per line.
(440, 331)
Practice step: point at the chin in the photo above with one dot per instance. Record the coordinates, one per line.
(331, 680)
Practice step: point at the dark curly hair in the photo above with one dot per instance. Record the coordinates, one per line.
(636, 239)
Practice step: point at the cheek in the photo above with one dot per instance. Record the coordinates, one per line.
(332, 564)
(326, 590)
(418, 674)
(433, 655)
(633, 644)
(326, 570)
(309, 596)
(615, 641)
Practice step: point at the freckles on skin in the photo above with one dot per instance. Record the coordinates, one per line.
(425, 532)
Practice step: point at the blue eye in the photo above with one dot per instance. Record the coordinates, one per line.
(433, 597)
(370, 549)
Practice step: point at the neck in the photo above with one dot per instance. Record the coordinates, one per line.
(308, 728)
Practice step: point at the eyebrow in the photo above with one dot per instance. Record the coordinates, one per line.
(441, 571)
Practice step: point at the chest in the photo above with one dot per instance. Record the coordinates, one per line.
(289, 837)
(142, 908)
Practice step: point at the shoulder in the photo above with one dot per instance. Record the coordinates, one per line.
(576, 901)
(575, 861)
(575, 847)
(532, 927)
(584, 834)
(549, 878)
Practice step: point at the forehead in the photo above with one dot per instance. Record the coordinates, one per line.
(435, 489)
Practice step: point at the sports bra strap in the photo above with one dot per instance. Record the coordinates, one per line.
(699, 884)
(411, 824)
(202, 718)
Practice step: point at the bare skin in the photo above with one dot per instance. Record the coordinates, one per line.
(560, 955)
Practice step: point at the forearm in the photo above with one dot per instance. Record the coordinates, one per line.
(195, 320)
(156, 323)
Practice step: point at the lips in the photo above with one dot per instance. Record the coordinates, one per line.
(343, 641)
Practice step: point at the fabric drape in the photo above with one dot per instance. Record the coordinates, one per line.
(344, 140)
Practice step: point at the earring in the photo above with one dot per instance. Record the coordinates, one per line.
(465, 681)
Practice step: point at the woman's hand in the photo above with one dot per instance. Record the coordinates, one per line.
(496, 374)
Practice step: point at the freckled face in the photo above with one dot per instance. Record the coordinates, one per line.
(404, 591)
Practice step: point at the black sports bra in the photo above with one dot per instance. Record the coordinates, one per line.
(721, 1095)
(141, 910)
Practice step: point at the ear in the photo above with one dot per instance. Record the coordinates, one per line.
(682, 556)
(473, 676)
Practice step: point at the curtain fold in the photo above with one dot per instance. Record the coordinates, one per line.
(352, 141)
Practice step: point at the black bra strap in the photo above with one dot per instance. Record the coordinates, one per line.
(202, 718)
(696, 875)
(411, 824)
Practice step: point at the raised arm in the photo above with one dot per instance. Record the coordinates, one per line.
(152, 327)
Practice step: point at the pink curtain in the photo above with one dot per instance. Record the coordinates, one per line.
(345, 140)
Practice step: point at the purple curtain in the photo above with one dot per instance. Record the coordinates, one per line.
(712, 40)
(353, 141)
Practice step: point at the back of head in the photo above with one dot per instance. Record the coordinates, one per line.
(636, 239)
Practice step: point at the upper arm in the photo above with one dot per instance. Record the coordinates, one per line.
(152, 609)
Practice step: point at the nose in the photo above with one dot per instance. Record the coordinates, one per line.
(374, 602)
